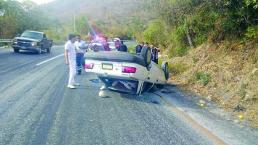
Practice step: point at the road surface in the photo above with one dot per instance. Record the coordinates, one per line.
(36, 108)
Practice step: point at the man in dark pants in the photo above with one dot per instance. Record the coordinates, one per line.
(138, 48)
(122, 47)
(154, 54)
(79, 45)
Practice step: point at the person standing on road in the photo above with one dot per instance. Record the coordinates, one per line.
(79, 45)
(123, 47)
(70, 59)
(154, 54)
(138, 48)
(117, 43)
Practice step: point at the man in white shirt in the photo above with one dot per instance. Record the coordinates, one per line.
(80, 45)
(70, 59)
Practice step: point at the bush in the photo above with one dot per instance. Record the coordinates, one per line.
(178, 40)
(131, 48)
(252, 32)
(202, 77)
(155, 33)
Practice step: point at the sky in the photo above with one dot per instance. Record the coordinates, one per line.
(39, 1)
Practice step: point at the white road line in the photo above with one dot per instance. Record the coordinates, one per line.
(49, 59)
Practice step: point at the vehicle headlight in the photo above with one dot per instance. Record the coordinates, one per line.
(33, 43)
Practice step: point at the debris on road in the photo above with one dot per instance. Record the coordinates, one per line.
(241, 116)
(201, 103)
(95, 81)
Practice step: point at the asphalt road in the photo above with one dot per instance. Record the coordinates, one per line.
(36, 108)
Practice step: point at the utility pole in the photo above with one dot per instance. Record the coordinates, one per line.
(74, 23)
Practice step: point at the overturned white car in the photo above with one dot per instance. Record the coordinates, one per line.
(125, 72)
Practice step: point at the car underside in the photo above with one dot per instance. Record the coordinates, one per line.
(125, 72)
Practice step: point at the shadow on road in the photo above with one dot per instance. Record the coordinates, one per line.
(145, 97)
(29, 53)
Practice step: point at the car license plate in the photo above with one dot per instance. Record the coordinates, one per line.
(107, 66)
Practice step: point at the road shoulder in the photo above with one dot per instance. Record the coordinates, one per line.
(210, 117)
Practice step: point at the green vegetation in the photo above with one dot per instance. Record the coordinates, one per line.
(184, 24)
(19, 17)
(155, 33)
(177, 25)
(202, 77)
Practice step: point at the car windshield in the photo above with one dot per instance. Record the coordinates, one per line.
(33, 35)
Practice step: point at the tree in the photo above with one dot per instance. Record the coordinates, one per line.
(19, 17)
(155, 33)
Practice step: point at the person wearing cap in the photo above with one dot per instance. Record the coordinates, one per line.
(70, 59)
(117, 43)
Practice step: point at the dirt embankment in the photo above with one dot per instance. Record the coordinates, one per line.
(225, 73)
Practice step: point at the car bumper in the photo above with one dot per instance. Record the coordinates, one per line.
(30, 48)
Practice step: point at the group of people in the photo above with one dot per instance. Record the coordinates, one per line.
(154, 51)
(75, 48)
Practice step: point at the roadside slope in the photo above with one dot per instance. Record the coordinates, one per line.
(224, 73)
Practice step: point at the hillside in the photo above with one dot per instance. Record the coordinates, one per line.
(114, 18)
(223, 73)
(105, 10)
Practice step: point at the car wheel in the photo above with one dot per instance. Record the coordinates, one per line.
(16, 50)
(146, 54)
(48, 50)
(165, 69)
(40, 50)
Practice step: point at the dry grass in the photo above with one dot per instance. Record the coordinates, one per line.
(233, 81)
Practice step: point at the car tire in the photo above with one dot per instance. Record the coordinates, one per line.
(40, 50)
(49, 50)
(146, 54)
(165, 68)
(16, 50)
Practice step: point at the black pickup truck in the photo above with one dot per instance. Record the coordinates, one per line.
(32, 41)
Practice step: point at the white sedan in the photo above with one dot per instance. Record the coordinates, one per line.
(125, 72)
